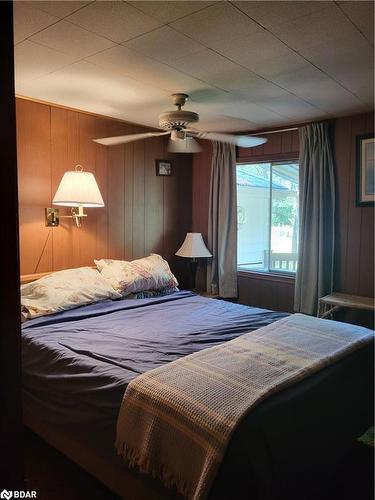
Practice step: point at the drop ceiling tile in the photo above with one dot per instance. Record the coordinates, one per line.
(25, 55)
(72, 40)
(319, 90)
(350, 62)
(85, 86)
(217, 25)
(273, 67)
(29, 20)
(58, 8)
(164, 44)
(239, 77)
(169, 11)
(292, 107)
(127, 62)
(271, 13)
(362, 15)
(215, 69)
(223, 123)
(240, 108)
(117, 21)
(323, 26)
(262, 53)
(261, 91)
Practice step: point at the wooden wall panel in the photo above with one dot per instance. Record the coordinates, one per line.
(115, 200)
(279, 146)
(139, 200)
(354, 261)
(64, 156)
(275, 293)
(101, 167)
(200, 200)
(34, 160)
(143, 213)
(154, 198)
(176, 218)
(128, 196)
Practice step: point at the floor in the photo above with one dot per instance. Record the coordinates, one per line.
(54, 477)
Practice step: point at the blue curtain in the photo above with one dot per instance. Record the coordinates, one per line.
(314, 277)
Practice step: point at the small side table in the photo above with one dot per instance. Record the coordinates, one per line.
(336, 301)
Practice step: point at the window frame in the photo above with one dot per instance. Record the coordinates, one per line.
(270, 274)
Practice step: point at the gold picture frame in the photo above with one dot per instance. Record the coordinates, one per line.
(365, 170)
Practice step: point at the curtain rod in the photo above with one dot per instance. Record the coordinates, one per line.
(276, 131)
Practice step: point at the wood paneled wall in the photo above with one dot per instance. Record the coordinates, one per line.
(279, 146)
(143, 212)
(354, 259)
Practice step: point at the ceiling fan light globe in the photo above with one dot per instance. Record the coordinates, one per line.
(178, 135)
(189, 145)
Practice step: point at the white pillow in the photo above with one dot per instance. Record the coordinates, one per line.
(65, 290)
(148, 273)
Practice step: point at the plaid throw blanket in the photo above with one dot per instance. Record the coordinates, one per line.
(176, 421)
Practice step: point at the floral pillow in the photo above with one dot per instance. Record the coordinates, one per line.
(150, 294)
(65, 290)
(149, 273)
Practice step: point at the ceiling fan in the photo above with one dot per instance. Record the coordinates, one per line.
(182, 138)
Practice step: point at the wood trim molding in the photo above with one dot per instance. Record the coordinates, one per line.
(267, 157)
(276, 278)
(78, 110)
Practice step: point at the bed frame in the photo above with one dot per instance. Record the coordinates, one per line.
(28, 278)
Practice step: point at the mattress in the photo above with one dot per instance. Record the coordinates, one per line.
(77, 364)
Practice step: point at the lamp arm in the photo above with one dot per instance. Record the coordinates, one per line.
(76, 215)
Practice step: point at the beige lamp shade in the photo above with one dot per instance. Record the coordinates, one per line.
(193, 247)
(78, 188)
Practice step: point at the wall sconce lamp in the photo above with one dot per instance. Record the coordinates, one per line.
(76, 189)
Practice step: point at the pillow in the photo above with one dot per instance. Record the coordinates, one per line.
(149, 294)
(149, 273)
(65, 290)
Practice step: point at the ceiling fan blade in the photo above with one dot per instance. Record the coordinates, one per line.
(243, 141)
(123, 139)
(187, 145)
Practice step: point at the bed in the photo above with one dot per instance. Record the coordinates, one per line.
(77, 364)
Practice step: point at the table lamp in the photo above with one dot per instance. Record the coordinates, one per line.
(193, 248)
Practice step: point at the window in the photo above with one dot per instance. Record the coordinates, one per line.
(267, 214)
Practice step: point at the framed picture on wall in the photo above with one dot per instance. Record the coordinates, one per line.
(365, 174)
(163, 167)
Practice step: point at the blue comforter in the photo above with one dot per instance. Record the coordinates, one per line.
(77, 363)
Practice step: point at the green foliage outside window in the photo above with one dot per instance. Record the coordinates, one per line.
(283, 212)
